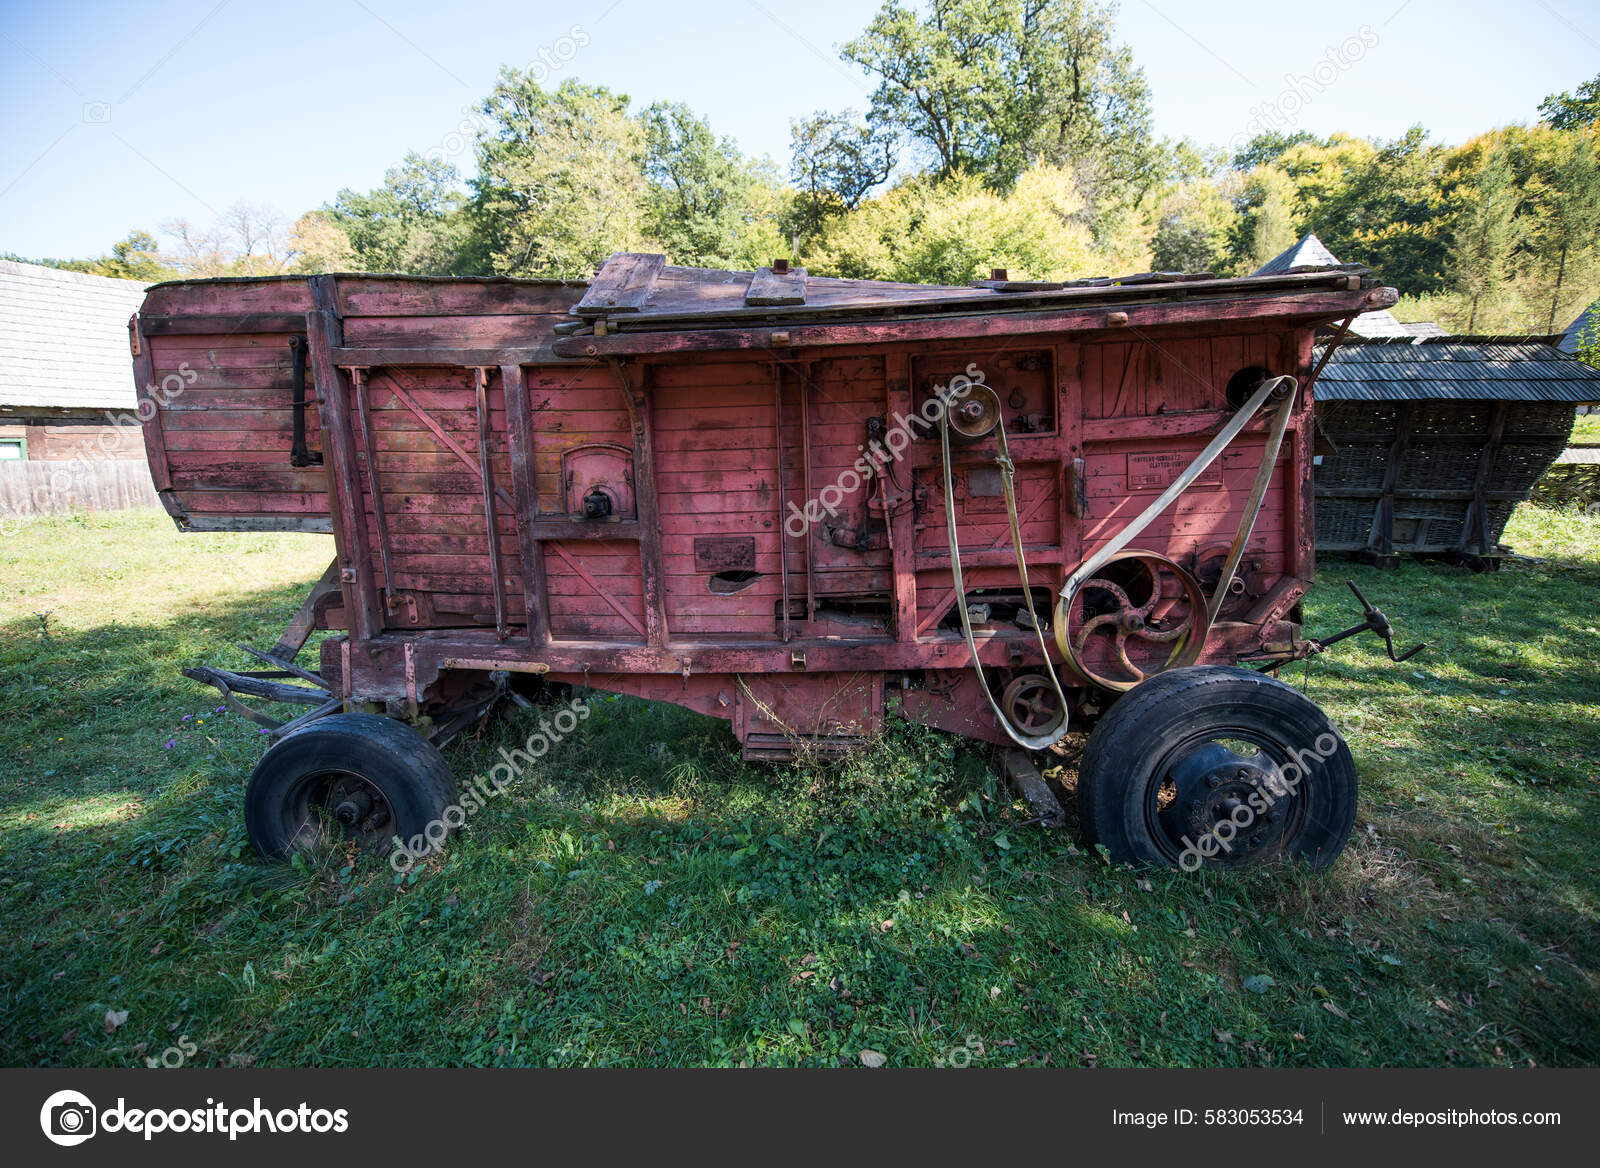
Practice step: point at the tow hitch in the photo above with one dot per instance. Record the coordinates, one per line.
(1373, 621)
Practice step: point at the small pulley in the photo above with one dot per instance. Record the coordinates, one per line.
(974, 413)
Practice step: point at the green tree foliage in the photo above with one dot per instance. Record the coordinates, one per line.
(1267, 147)
(1573, 111)
(1193, 227)
(1487, 234)
(320, 244)
(953, 230)
(135, 257)
(1566, 240)
(990, 87)
(560, 182)
(1389, 212)
(835, 160)
(1264, 225)
(1019, 131)
(413, 223)
(707, 205)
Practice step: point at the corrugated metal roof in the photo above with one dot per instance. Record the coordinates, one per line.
(64, 338)
(1456, 369)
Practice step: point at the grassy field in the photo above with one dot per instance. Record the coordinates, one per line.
(645, 898)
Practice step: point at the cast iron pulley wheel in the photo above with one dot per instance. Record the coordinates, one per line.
(352, 776)
(1031, 703)
(975, 414)
(1216, 766)
(1140, 614)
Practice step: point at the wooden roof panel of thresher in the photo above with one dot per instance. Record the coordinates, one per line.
(639, 293)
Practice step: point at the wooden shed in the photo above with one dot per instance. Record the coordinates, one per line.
(69, 434)
(1428, 443)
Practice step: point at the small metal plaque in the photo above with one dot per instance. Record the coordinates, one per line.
(725, 553)
(1159, 470)
(985, 481)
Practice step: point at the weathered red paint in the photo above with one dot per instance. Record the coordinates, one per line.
(460, 433)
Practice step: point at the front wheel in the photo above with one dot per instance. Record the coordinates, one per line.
(354, 776)
(1217, 766)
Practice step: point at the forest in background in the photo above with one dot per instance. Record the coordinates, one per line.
(1001, 133)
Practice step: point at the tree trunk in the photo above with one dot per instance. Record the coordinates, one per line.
(1555, 297)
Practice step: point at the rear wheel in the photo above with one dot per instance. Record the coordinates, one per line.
(350, 776)
(1217, 766)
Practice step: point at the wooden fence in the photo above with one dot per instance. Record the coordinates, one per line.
(53, 487)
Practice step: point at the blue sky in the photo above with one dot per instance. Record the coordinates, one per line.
(115, 116)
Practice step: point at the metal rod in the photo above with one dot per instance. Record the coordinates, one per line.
(805, 451)
(380, 520)
(783, 527)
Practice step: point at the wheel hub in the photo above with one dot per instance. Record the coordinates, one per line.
(1236, 800)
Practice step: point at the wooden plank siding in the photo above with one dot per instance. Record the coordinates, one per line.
(729, 439)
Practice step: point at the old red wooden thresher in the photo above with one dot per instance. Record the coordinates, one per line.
(785, 501)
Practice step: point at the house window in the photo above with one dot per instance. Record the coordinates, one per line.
(13, 449)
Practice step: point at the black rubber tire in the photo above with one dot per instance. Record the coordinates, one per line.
(403, 765)
(1133, 744)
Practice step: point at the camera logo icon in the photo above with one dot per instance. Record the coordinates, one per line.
(95, 112)
(68, 1118)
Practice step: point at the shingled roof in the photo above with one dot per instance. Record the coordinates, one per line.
(1588, 322)
(1308, 254)
(1527, 369)
(64, 338)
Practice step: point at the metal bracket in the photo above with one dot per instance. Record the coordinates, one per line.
(298, 454)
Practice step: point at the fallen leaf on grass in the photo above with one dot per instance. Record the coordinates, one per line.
(1259, 984)
(873, 1059)
(1335, 1011)
(114, 1019)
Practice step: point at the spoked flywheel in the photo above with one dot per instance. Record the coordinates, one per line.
(1139, 614)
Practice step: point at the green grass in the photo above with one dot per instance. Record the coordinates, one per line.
(646, 898)
(1586, 429)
